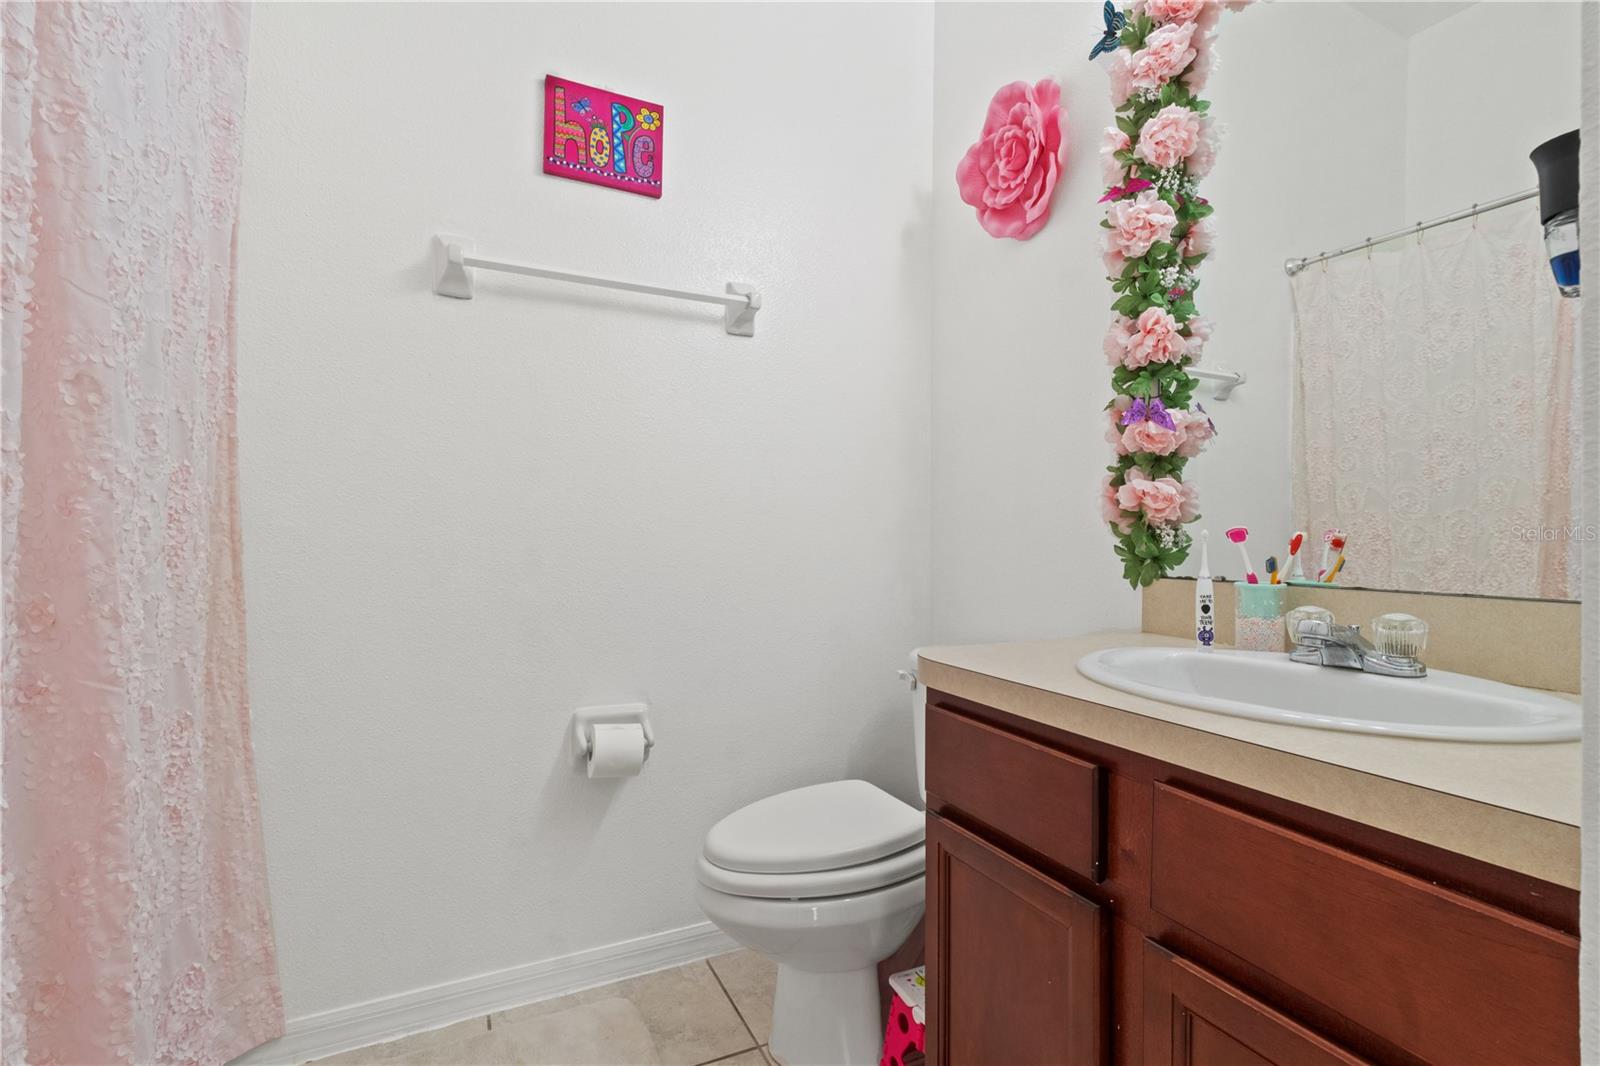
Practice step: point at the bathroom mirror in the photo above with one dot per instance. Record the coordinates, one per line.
(1417, 393)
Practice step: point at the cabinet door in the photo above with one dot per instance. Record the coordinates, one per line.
(1016, 960)
(1194, 1018)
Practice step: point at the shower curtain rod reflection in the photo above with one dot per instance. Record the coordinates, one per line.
(1292, 267)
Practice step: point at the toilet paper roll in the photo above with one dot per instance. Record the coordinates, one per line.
(617, 750)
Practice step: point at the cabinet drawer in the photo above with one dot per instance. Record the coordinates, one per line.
(1441, 975)
(1041, 798)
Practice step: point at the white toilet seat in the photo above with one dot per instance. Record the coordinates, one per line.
(828, 826)
(838, 838)
(817, 884)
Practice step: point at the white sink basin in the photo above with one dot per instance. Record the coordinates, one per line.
(1267, 686)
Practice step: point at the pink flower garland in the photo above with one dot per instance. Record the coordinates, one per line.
(1157, 231)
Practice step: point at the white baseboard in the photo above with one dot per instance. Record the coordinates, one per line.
(419, 1010)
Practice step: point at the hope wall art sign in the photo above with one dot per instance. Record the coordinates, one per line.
(601, 137)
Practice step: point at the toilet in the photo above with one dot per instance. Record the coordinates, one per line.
(827, 881)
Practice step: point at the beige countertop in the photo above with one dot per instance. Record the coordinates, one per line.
(1515, 805)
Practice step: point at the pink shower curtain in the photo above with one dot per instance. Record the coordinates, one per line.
(136, 927)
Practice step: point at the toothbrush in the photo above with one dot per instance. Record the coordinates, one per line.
(1239, 534)
(1295, 571)
(1327, 540)
(1205, 603)
(1337, 544)
(1272, 569)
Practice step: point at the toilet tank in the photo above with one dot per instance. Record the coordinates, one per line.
(919, 724)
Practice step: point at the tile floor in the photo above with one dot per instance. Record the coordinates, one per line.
(717, 1011)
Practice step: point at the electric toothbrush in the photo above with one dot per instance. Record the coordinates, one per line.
(1205, 601)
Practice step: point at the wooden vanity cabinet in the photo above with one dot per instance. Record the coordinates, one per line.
(1090, 905)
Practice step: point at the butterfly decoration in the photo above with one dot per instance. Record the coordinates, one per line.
(583, 106)
(1112, 39)
(1117, 192)
(1152, 410)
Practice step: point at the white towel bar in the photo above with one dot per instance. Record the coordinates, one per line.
(452, 276)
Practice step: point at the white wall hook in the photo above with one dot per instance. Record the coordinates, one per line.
(584, 719)
(453, 259)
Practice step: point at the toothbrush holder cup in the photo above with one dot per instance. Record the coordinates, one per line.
(1258, 617)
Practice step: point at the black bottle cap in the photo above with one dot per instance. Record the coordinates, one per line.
(1556, 160)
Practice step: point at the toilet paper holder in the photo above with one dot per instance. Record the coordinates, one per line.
(584, 719)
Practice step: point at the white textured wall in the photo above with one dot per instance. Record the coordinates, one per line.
(1018, 374)
(465, 519)
(1476, 104)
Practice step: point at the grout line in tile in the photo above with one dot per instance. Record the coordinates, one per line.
(718, 978)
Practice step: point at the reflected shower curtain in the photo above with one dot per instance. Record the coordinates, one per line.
(136, 927)
(1434, 417)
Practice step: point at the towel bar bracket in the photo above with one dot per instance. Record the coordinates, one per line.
(741, 321)
(450, 276)
(1224, 380)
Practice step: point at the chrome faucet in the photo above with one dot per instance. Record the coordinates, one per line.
(1323, 643)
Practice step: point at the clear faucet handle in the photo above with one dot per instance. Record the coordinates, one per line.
(1308, 620)
(1400, 636)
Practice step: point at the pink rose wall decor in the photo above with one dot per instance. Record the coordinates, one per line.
(1156, 233)
(1010, 174)
(602, 137)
